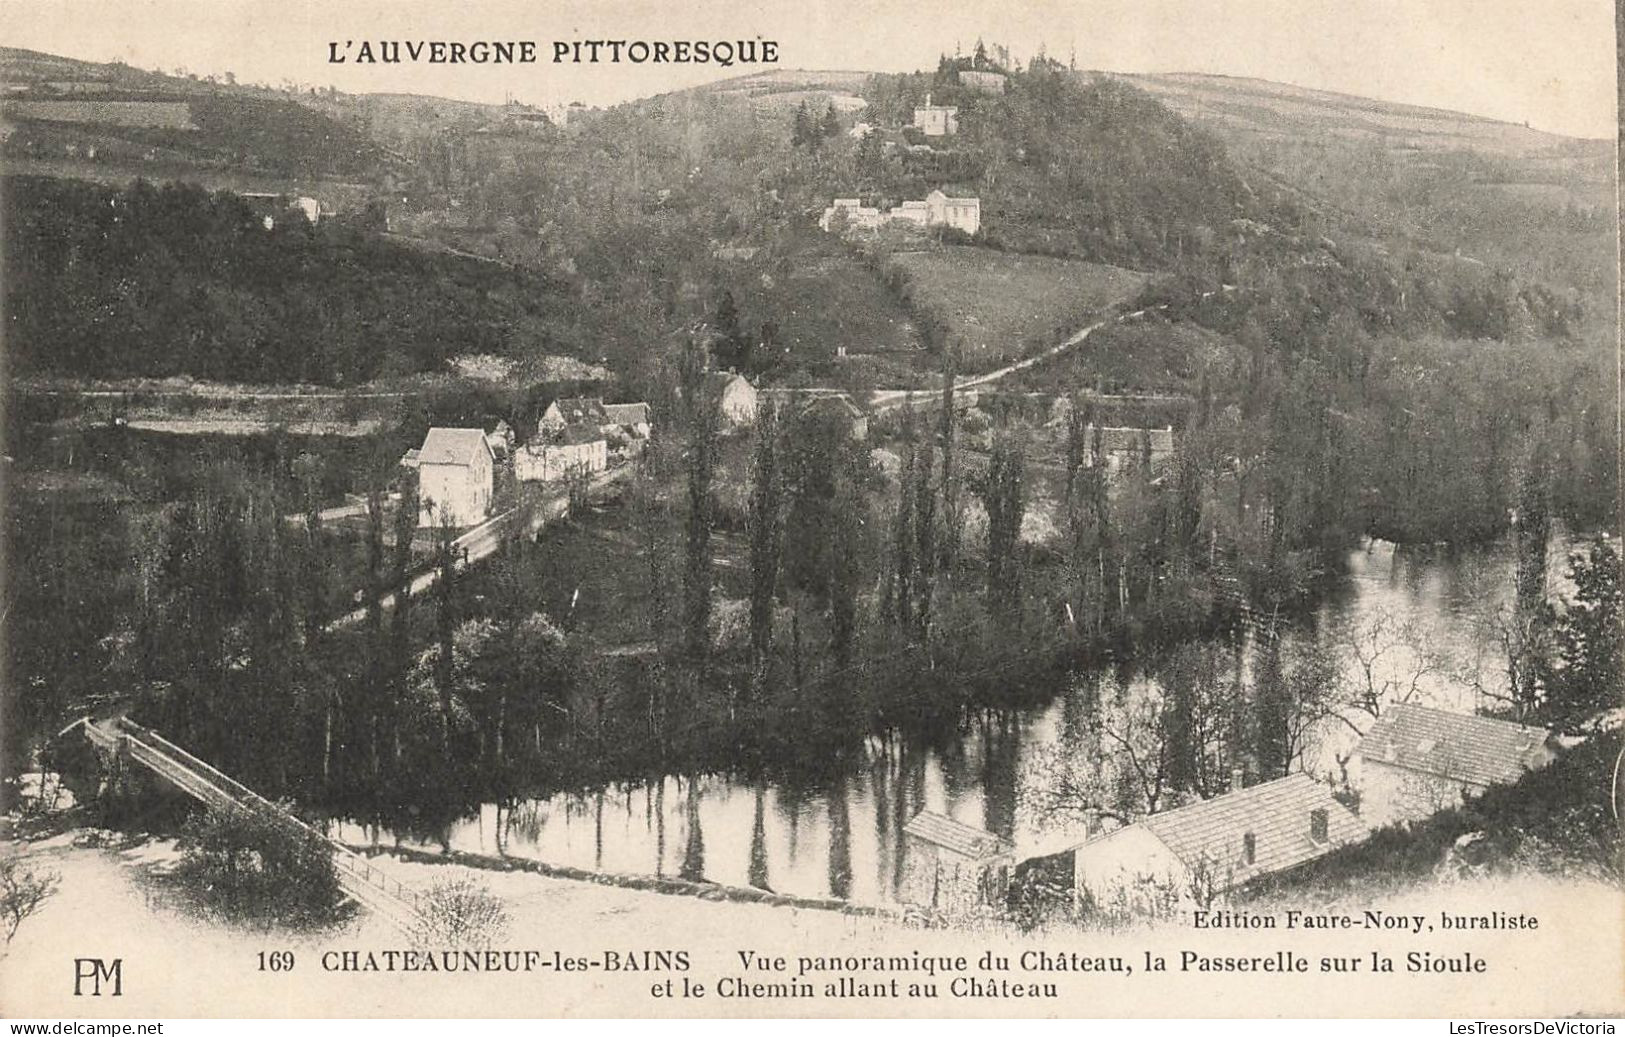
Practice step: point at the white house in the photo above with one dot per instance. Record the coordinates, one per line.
(855, 214)
(1416, 760)
(960, 213)
(937, 209)
(735, 396)
(936, 120)
(580, 450)
(1184, 858)
(455, 469)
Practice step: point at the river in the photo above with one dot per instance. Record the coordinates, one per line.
(1419, 621)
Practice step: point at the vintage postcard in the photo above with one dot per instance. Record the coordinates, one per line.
(843, 508)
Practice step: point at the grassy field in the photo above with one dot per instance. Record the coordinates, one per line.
(1135, 357)
(823, 297)
(999, 306)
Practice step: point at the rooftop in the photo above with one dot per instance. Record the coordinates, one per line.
(1461, 746)
(452, 446)
(627, 413)
(1276, 813)
(577, 409)
(951, 835)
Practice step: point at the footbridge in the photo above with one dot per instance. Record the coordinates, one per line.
(362, 880)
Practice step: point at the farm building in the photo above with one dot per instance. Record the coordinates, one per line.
(580, 449)
(572, 411)
(1184, 858)
(950, 866)
(1416, 760)
(455, 471)
(935, 120)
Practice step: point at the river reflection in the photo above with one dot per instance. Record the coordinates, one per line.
(846, 840)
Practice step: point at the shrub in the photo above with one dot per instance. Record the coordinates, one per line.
(256, 865)
(22, 891)
(462, 913)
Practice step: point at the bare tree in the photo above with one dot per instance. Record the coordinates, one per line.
(23, 891)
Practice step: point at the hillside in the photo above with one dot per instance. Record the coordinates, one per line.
(1463, 187)
(992, 307)
(163, 281)
(113, 123)
(1234, 106)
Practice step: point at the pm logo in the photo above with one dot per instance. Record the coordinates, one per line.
(95, 970)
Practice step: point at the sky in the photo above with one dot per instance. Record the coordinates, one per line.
(1550, 63)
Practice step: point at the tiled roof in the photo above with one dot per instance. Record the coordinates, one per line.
(1275, 813)
(1460, 746)
(452, 446)
(627, 413)
(950, 834)
(577, 409)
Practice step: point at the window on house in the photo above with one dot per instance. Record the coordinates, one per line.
(1318, 821)
(1249, 848)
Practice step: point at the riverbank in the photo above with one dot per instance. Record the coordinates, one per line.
(175, 965)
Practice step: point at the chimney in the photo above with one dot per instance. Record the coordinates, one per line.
(1237, 778)
(1318, 822)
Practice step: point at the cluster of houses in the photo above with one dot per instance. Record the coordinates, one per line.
(577, 436)
(1413, 762)
(936, 210)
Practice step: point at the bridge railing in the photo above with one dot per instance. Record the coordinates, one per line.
(199, 777)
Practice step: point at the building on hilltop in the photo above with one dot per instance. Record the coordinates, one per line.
(937, 209)
(936, 120)
(984, 82)
(1417, 760)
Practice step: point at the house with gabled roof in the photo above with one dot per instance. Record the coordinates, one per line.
(575, 410)
(455, 475)
(951, 866)
(1189, 856)
(1417, 760)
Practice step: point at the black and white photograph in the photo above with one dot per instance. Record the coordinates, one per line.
(838, 509)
